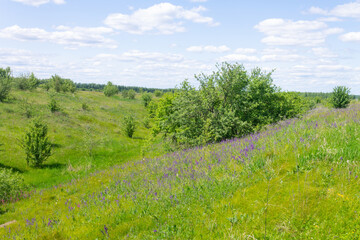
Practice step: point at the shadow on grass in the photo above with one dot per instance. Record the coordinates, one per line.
(56, 145)
(138, 138)
(12, 168)
(53, 166)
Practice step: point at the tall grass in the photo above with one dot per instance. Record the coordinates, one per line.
(297, 179)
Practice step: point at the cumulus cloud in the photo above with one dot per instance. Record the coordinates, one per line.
(323, 52)
(136, 55)
(245, 50)
(349, 10)
(208, 48)
(350, 37)
(37, 3)
(239, 58)
(288, 32)
(163, 18)
(71, 37)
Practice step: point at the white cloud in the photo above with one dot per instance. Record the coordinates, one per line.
(350, 10)
(163, 18)
(323, 52)
(350, 37)
(209, 48)
(280, 58)
(37, 3)
(198, 0)
(245, 50)
(70, 37)
(288, 32)
(136, 55)
(239, 58)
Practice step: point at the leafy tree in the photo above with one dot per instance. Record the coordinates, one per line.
(11, 185)
(124, 93)
(146, 98)
(340, 97)
(129, 125)
(5, 83)
(158, 93)
(27, 82)
(36, 144)
(60, 84)
(131, 94)
(110, 89)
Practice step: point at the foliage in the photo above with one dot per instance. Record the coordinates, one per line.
(85, 107)
(54, 106)
(340, 97)
(5, 83)
(26, 82)
(158, 93)
(129, 125)
(229, 103)
(124, 93)
(131, 94)
(61, 84)
(146, 122)
(27, 108)
(11, 185)
(146, 98)
(36, 144)
(110, 89)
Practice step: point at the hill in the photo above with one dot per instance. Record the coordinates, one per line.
(297, 179)
(86, 133)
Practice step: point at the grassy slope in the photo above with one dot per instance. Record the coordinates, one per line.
(296, 180)
(73, 131)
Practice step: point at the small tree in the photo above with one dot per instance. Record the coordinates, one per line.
(53, 105)
(129, 125)
(158, 93)
(110, 89)
(5, 83)
(36, 144)
(131, 94)
(146, 98)
(340, 97)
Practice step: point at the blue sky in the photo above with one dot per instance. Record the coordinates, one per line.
(312, 45)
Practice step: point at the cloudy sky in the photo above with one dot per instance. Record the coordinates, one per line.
(312, 45)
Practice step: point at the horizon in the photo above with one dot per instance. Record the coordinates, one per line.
(159, 44)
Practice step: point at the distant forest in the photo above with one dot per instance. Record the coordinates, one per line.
(100, 87)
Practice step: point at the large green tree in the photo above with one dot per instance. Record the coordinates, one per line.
(5, 83)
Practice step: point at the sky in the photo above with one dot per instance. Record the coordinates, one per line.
(311, 45)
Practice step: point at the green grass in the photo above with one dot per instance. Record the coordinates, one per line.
(294, 180)
(84, 141)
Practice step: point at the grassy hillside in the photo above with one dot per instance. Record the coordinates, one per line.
(83, 140)
(295, 180)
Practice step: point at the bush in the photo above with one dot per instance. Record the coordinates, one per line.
(27, 108)
(11, 185)
(131, 94)
(27, 82)
(146, 98)
(158, 93)
(5, 83)
(124, 94)
(36, 144)
(110, 89)
(53, 106)
(146, 123)
(60, 84)
(340, 97)
(129, 125)
(85, 107)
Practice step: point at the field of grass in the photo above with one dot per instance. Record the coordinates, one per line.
(295, 180)
(84, 140)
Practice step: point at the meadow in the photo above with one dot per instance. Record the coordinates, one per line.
(297, 179)
(84, 139)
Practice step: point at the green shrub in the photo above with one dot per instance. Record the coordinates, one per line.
(131, 94)
(124, 93)
(26, 82)
(36, 144)
(5, 83)
(158, 93)
(146, 123)
(27, 108)
(11, 185)
(129, 125)
(340, 97)
(85, 107)
(146, 98)
(53, 106)
(61, 84)
(110, 89)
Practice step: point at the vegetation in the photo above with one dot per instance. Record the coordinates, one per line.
(61, 84)
(5, 83)
(295, 180)
(131, 94)
(12, 186)
(129, 125)
(340, 97)
(54, 106)
(36, 144)
(229, 103)
(146, 98)
(26, 82)
(110, 90)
